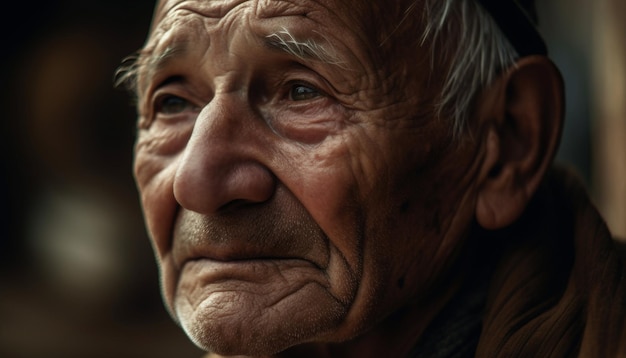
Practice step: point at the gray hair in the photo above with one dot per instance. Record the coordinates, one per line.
(475, 49)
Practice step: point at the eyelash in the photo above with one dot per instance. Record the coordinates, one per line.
(161, 102)
(307, 92)
(310, 93)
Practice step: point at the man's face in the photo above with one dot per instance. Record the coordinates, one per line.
(293, 193)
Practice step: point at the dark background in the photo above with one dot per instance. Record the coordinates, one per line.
(77, 275)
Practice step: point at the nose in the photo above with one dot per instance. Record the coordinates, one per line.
(221, 166)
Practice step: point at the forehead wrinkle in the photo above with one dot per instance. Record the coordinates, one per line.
(312, 45)
(173, 37)
(209, 9)
(276, 8)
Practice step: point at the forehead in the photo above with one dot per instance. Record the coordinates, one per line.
(369, 38)
(169, 12)
(183, 26)
(371, 20)
(261, 8)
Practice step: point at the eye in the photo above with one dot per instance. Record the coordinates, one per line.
(170, 104)
(301, 92)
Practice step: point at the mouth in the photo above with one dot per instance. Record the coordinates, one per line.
(248, 263)
(241, 260)
(236, 255)
(247, 239)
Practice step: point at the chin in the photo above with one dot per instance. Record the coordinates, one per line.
(236, 323)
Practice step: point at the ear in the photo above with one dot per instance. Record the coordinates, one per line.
(522, 115)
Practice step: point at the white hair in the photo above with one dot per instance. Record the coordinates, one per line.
(286, 41)
(474, 47)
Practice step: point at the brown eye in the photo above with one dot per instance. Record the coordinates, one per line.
(300, 92)
(171, 104)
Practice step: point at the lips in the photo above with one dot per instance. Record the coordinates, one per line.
(254, 271)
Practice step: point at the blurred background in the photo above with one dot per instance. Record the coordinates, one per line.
(77, 275)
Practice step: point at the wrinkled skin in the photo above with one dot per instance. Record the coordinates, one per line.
(294, 202)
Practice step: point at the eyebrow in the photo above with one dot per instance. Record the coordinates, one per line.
(156, 62)
(146, 63)
(152, 63)
(308, 50)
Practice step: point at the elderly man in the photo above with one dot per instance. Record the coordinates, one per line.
(352, 178)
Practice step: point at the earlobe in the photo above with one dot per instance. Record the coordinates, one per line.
(522, 129)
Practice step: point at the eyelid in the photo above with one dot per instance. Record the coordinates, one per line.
(171, 88)
(160, 99)
(157, 82)
(152, 90)
(305, 83)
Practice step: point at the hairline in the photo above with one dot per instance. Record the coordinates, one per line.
(475, 48)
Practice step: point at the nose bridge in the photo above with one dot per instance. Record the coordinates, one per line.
(220, 118)
(220, 164)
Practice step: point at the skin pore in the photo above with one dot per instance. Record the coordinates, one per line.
(293, 199)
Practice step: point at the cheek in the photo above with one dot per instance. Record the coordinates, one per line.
(156, 157)
(159, 207)
(328, 180)
(434, 208)
(336, 182)
(154, 175)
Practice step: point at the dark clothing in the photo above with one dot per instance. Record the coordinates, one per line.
(557, 287)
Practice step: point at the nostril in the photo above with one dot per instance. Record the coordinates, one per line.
(236, 205)
(221, 184)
